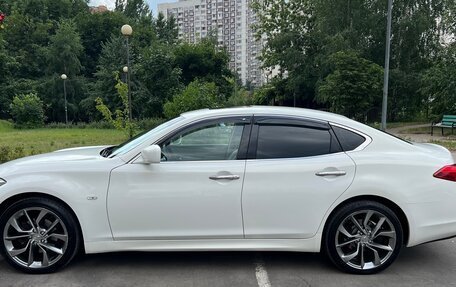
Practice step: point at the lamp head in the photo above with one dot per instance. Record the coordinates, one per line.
(126, 30)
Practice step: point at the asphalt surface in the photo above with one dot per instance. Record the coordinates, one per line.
(432, 264)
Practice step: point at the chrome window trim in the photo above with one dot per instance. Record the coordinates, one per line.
(287, 116)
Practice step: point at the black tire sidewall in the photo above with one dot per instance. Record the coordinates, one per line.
(66, 217)
(342, 213)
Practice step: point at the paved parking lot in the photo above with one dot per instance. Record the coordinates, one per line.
(431, 264)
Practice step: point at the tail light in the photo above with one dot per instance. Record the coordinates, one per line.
(447, 172)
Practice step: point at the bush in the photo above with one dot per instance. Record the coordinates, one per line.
(120, 117)
(81, 125)
(8, 153)
(197, 95)
(142, 124)
(241, 98)
(27, 111)
(150, 123)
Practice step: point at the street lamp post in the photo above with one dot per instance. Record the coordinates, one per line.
(387, 62)
(127, 31)
(125, 70)
(64, 78)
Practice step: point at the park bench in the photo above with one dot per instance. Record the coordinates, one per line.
(448, 121)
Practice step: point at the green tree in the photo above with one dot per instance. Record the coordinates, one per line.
(205, 62)
(50, 9)
(134, 9)
(240, 96)
(301, 35)
(26, 41)
(112, 60)
(120, 117)
(96, 29)
(293, 45)
(197, 95)
(65, 49)
(166, 29)
(64, 52)
(119, 5)
(353, 85)
(157, 80)
(27, 111)
(6, 65)
(438, 86)
(28, 29)
(272, 93)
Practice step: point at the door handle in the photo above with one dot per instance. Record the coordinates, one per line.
(227, 177)
(331, 173)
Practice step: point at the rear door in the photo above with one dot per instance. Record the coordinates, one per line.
(295, 170)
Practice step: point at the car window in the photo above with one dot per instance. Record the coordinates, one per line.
(348, 140)
(218, 141)
(282, 141)
(140, 138)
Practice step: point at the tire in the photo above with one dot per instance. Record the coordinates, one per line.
(38, 235)
(377, 239)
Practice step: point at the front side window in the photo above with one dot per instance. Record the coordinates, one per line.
(217, 141)
(140, 138)
(283, 141)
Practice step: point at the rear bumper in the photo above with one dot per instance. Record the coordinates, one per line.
(432, 221)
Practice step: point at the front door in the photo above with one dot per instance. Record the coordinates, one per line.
(194, 193)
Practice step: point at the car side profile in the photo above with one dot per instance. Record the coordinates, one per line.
(248, 178)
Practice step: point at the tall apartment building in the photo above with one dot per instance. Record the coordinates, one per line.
(231, 21)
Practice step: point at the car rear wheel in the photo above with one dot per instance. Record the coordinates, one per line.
(363, 237)
(39, 235)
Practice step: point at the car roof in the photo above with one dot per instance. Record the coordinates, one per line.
(374, 134)
(270, 110)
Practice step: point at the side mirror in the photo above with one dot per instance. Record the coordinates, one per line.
(151, 154)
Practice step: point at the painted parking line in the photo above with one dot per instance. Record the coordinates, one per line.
(261, 273)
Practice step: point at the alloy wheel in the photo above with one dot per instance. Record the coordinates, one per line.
(35, 237)
(365, 239)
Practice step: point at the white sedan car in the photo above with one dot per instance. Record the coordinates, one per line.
(251, 178)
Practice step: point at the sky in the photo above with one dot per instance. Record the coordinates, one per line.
(110, 3)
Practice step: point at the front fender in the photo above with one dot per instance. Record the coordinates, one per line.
(83, 189)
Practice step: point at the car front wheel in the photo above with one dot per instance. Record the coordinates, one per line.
(363, 237)
(39, 235)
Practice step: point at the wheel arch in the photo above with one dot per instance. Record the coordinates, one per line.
(10, 200)
(388, 203)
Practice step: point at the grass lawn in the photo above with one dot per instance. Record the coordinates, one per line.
(451, 145)
(19, 143)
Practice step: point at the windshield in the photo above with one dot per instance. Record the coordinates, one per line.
(140, 138)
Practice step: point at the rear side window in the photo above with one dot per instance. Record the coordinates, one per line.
(284, 141)
(348, 139)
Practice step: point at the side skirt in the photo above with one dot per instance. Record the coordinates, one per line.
(299, 245)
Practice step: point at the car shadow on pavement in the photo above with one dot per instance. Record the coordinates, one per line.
(182, 260)
(431, 263)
